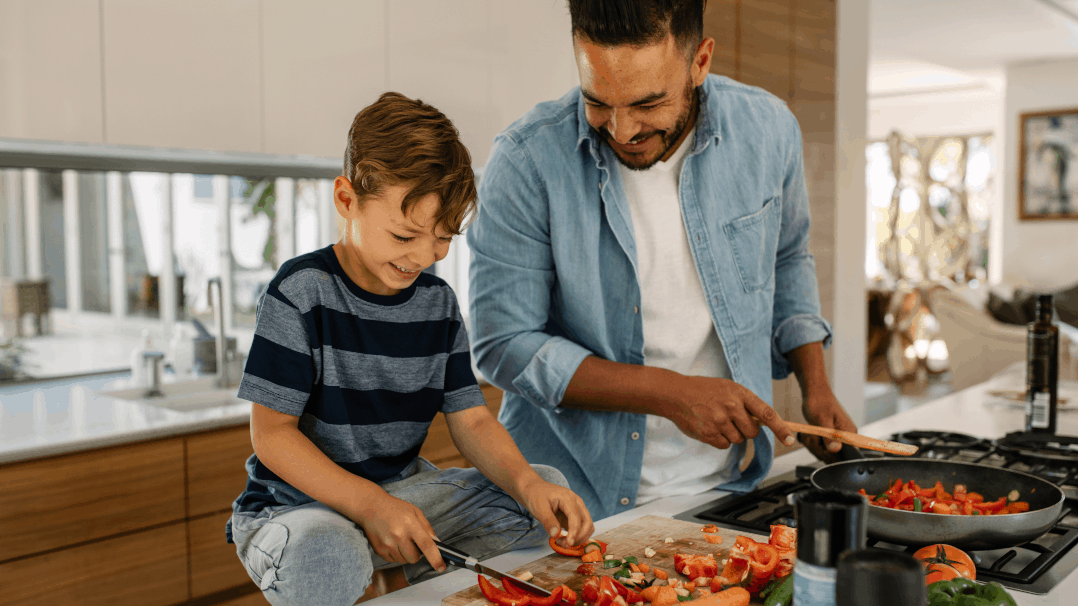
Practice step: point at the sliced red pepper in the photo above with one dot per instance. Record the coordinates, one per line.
(609, 586)
(737, 566)
(555, 597)
(633, 597)
(500, 597)
(575, 551)
(993, 506)
(591, 590)
(782, 537)
(568, 596)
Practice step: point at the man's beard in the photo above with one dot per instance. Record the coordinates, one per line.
(668, 137)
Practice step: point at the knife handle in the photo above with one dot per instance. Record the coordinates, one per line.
(454, 557)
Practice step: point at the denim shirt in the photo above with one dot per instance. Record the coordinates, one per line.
(553, 274)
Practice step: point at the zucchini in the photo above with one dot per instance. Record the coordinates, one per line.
(781, 594)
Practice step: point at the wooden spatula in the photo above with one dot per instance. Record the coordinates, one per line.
(854, 439)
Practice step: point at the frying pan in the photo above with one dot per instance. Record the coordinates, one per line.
(965, 532)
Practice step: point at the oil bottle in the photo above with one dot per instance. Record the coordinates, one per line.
(1042, 370)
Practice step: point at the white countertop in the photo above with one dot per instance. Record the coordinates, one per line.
(971, 411)
(67, 415)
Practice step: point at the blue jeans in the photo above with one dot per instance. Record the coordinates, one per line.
(311, 554)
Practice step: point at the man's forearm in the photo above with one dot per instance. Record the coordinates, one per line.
(809, 368)
(605, 386)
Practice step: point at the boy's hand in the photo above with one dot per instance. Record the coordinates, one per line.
(398, 531)
(556, 508)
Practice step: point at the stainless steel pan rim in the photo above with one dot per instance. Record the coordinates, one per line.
(965, 532)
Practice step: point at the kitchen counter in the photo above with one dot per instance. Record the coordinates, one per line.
(68, 415)
(972, 411)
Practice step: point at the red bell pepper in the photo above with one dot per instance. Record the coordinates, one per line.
(591, 590)
(499, 597)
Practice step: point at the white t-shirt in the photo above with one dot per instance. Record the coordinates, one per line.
(678, 332)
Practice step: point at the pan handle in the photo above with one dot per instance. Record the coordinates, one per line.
(849, 453)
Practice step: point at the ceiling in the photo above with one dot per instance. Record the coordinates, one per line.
(926, 45)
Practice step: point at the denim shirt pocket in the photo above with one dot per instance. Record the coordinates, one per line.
(754, 239)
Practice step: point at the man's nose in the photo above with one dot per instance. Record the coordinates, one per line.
(622, 126)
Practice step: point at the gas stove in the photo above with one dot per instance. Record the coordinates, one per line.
(1035, 567)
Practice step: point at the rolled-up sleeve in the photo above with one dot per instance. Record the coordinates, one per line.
(796, 319)
(510, 279)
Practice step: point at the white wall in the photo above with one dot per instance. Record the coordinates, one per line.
(942, 113)
(851, 99)
(1039, 254)
(273, 76)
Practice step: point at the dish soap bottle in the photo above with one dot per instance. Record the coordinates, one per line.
(1042, 370)
(138, 369)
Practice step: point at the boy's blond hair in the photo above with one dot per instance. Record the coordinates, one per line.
(397, 140)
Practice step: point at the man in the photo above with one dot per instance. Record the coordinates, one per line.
(640, 267)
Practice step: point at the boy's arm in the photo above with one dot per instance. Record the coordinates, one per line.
(485, 443)
(282, 448)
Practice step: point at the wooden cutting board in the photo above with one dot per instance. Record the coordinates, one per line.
(625, 540)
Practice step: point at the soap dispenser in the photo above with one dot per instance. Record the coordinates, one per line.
(138, 370)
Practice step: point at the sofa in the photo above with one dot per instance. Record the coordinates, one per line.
(979, 346)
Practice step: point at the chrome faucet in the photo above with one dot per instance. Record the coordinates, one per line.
(219, 319)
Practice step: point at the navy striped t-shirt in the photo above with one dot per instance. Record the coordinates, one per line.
(364, 373)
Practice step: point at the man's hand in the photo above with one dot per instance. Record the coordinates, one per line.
(556, 508)
(398, 531)
(824, 410)
(720, 412)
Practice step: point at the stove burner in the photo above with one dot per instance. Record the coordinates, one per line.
(1040, 447)
(941, 444)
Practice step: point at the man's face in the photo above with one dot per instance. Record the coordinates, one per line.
(640, 99)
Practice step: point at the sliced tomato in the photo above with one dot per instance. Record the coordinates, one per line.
(586, 569)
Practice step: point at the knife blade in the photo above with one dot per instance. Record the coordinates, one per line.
(458, 558)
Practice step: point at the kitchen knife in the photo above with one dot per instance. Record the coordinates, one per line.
(458, 558)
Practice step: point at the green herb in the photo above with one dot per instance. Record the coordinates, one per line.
(611, 563)
(631, 559)
(916, 504)
(624, 573)
(684, 598)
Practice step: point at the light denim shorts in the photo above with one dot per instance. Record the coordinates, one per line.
(311, 554)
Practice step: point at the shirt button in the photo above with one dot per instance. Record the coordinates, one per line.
(624, 500)
(636, 309)
(636, 435)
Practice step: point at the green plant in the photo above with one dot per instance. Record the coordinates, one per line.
(11, 359)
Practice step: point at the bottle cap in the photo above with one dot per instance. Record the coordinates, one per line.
(829, 522)
(878, 577)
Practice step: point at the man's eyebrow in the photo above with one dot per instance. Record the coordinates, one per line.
(651, 98)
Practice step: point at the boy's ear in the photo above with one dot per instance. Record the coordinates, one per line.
(344, 197)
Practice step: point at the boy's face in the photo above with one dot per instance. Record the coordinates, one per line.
(640, 98)
(386, 250)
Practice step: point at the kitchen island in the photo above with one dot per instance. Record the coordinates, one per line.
(973, 411)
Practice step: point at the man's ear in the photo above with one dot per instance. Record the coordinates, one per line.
(344, 197)
(701, 62)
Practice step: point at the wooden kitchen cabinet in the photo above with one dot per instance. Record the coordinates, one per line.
(215, 473)
(214, 565)
(65, 500)
(148, 568)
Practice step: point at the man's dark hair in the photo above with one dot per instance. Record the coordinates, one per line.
(639, 22)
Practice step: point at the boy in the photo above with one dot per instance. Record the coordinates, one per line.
(355, 351)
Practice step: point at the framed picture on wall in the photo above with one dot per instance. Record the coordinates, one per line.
(1048, 165)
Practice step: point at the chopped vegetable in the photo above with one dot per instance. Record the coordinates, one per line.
(594, 556)
(649, 552)
(710, 528)
(968, 593)
(525, 576)
(660, 574)
(630, 559)
(911, 497)
(611, 563)
(644, 568)
(668, 540)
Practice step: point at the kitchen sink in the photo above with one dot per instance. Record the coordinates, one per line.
(194, 394)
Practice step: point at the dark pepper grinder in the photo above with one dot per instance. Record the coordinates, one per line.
(880, 577)
(1042, 370)
(829, 523)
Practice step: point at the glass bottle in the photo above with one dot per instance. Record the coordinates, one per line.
(1042, 369)
(828, 523)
